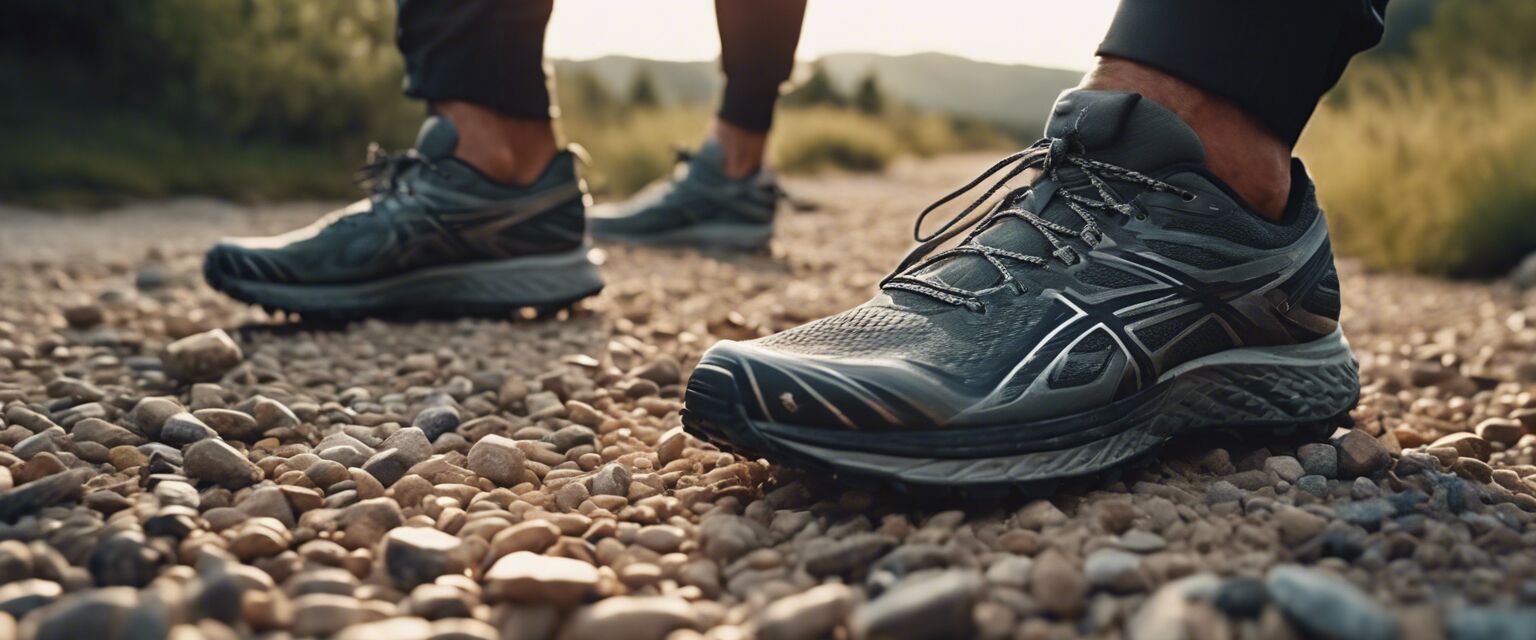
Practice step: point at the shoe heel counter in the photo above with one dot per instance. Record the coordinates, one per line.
(1312, 303)
(562, 224)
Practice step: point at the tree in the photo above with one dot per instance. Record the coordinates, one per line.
(868, 98)
(582, 91)
(643, 94)
(817, 90)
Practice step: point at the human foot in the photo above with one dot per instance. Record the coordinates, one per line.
(700, 205)
(1250, 158)
(435, 237)
(1122, 299)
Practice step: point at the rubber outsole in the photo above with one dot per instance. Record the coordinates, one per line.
(1251, 400)
(537, 286)
(714, 235)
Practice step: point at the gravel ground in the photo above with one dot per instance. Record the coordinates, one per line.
(176, 464)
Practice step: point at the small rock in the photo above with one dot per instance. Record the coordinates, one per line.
(922, 607)
(436, 421)
(388, 466)
(661, 538)
(637, 617)
(808, 615)
(184, 428)
(497, 459)
(1467, 444)
(1319, 458)
(612, 480)
(1327, 605)
(1058, 585)
(1361, 455)
(1285, 467)
(662, 371)
(524, 576)
(1114, 570)
(213, 460)
(1241, 597)
(230, 425)
(201, 357)
(417, 555)
(44, 492)
(843, 556)
(1297, 525)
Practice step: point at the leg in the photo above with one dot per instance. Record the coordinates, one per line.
(479, 63)
(485, 216)
(757, 51)
(1245, 75)
(1128, 294)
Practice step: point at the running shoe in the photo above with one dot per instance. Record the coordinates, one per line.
(1124, 297)
(435, 237)
(699, 205)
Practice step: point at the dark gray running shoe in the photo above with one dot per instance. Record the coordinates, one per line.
(698, 206)
(1125, 297)
(435, 238)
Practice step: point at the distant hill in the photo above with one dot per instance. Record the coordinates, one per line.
(1014, 96)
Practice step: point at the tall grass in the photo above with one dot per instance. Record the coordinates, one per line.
(1432, 172)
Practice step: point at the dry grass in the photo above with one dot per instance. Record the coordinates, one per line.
(1429, 172)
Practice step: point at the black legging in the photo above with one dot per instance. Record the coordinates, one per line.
(1273, 58)
(491, 53)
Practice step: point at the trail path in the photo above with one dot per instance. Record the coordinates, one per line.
(280, 523)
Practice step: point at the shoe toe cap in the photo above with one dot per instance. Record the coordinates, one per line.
(742, 379)
(233, 259)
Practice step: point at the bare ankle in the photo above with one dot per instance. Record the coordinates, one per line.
(1253, 161)
(744, 148)
(510, 150)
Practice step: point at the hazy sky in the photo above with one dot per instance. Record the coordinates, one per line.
(1053, 33)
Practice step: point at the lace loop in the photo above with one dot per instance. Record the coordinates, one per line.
(1051, 156)
(382, 170)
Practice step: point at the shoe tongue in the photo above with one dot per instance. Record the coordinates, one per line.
(437, 139)
(1123, 129)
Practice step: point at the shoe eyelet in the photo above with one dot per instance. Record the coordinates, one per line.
(1188, 196)
(1140, 216)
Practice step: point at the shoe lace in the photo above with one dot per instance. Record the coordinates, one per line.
(380, 177)
(1051, 156)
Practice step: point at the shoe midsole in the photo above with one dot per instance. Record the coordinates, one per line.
(531, 281)
(1252, 387)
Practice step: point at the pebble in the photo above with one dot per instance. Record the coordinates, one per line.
(921, 607)
(497, 459)
(417, 555)
(1285, 468)
(201, 357)
(228, 424)
(436, 421)
(45, 492)
(523, 576)
(1467, 444)
(661, 538)
(1298, 525)
(808, 615)
(631, 617)
(213, 460)
(1113, 569)
(1361, 455)
(1326, 605)
(1501, 430)
(184, 428)
(1319, 459)
(1058, 585)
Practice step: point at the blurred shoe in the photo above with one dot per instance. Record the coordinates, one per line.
(434, 238)
(1122, 299)
(698, 206)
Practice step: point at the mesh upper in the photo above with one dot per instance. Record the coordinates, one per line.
(970, 346)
